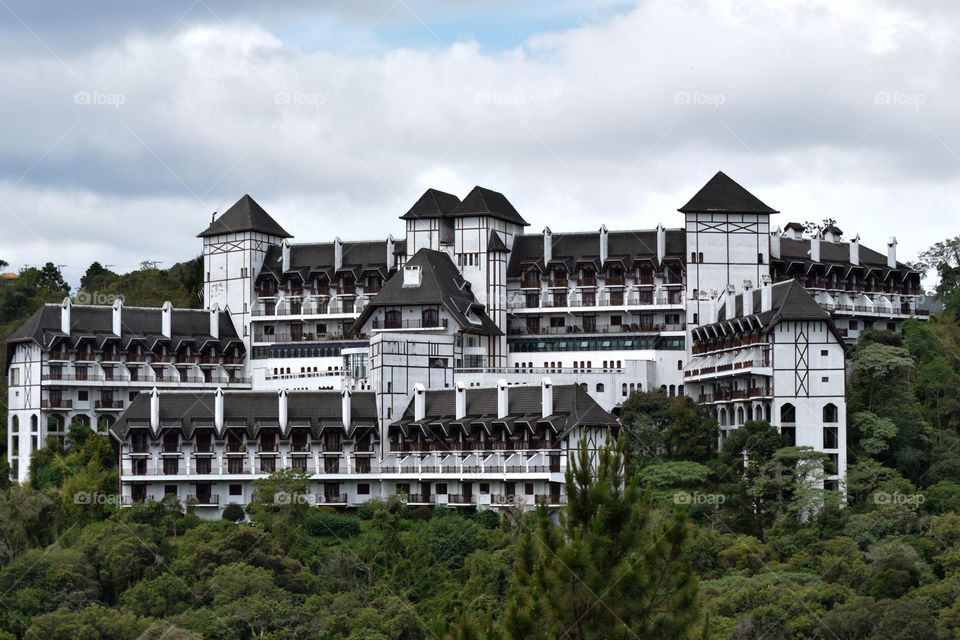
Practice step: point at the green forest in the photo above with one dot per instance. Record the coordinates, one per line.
(665, 537)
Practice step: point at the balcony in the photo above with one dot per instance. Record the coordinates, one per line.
(613, 281)
(204, 500)
(381, 325)
(421, 499)
(340, 498)
(86, 356)
(461, 498)
(558, 282)
(111, 405)
(587, 281)
(138, 357)
(56, 404)
(333, 447)
(61, 354)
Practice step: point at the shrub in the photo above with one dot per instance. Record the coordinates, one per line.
(234, 512)
(487, 518)
(321, 523)
(367, 510)
(421, 514)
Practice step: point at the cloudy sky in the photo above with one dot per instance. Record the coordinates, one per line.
(124, 126)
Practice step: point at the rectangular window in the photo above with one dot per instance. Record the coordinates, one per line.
(441, 488)
(558, 322)
(438, 363)
(84, 396)
(331, 465)
(235, 465)
(824, 352)
(788, 436)
(853, 325)
(528, 489)
(169, 489)
(484, 488)
(363, 489)
(268, 464)
(14, 377)
(831, 438)
(298, 463)
(170, 466)
(203, 466)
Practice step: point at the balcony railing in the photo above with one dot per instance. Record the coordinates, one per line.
(205, 500)
(340, 498)
(417, 323)
(108, 404)
(56, 404)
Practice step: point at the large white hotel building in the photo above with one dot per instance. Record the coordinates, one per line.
(461, 361)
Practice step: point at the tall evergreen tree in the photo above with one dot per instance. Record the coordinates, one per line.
(613, 568)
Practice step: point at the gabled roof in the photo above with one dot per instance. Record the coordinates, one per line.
(572, 407)
(485, 202)
(137, 323)
(432, 204)
(571, 248)
(440, 284)
(722, 195)
(248, 409)
(789, 301)
(358, 257)
(245, 215)
(495, 244)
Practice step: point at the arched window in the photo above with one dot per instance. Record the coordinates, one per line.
(81, 419)
(104, 423)
(430, 317)
(15, 423)
(624, 389)
(33, 423)
(739, 415)
(830, 413)
(693, 256)
(55, 422)
(723, 417)
(673, 391)
(700, 257)
(766, 413)
(788, 413)
(391, 319)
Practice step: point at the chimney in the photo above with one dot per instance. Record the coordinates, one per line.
(166, 319)
(285, 249)
(391, 259)
(117, 316)
(419, 402)
(604, 253)
(338, 253)
(218, 410)
(775, 244)
(855, 250)
(731, 302)
(892, 252)
(411, 276)
(155, 411)
(794, 231)
(546, 393)
(215, 321)
(282, 413)
(65, 308)
(766, 298)
(547, 246)
(346, 410)
(747, 298)
(461, 400)
(503, 406)
(815, 249)
(661, 243)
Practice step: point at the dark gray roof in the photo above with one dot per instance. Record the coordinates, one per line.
(789, 301)
(722, 195)
(320, 257)
(485, 202)
(248, 410)
(495, 243)
(245, 215)
(138, 323)
(571, 248)
(440, 284)
(572, 407)
(792, 250)
(432, 204)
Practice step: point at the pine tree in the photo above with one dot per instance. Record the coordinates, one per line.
(613, 568)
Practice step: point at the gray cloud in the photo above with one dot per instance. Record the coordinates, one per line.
(127, 145)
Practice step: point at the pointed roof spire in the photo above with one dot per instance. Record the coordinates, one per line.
(722, 195)
(432, 204)
(245, 215)
(486, 202)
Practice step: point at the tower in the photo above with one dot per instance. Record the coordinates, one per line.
(728, 244)
(234, 246)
